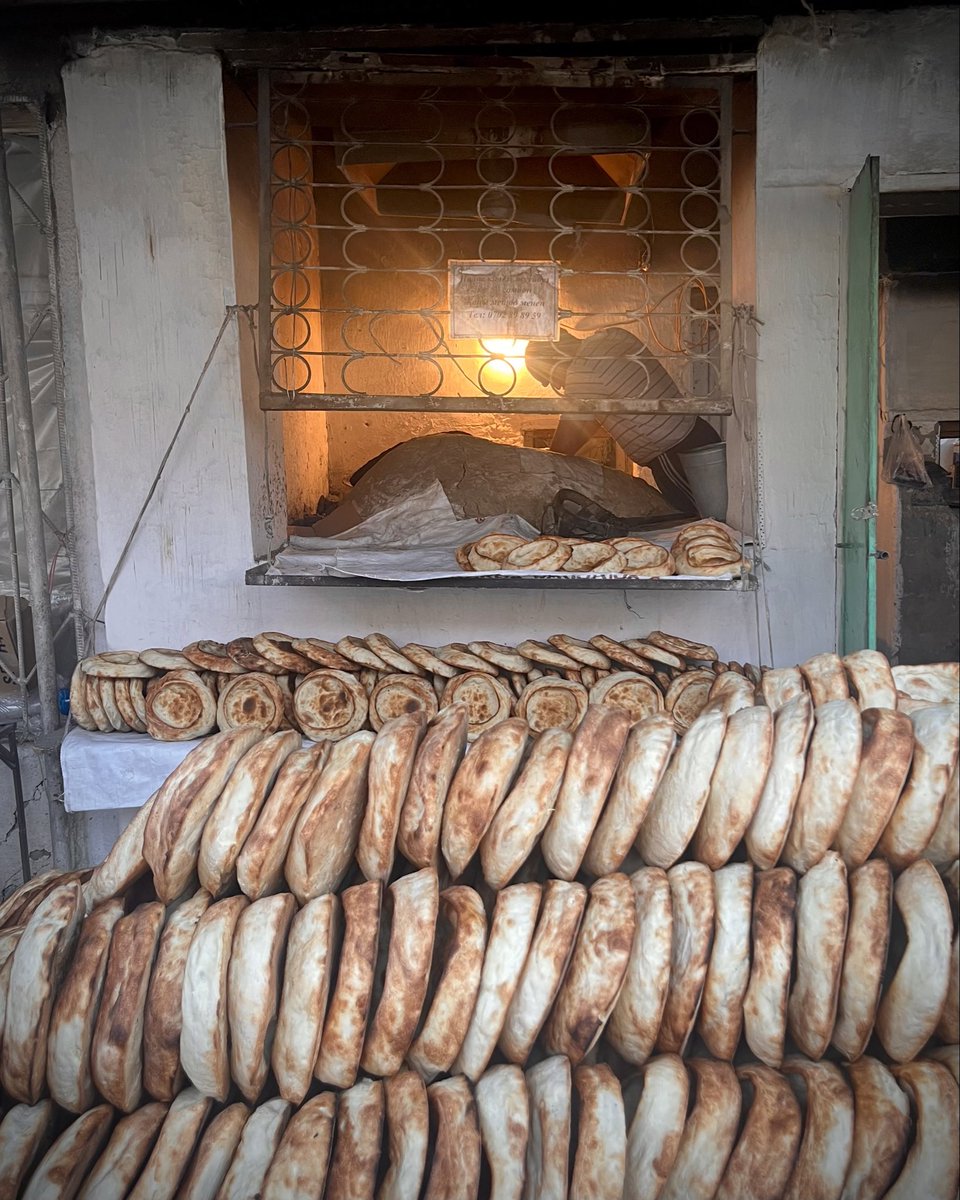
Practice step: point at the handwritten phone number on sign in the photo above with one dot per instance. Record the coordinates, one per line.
(503, 299)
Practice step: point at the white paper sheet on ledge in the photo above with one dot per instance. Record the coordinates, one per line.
(418, 539)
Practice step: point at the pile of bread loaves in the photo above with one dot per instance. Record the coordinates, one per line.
(700, 548)
(328, 691)
(359, 683)
(612, 962)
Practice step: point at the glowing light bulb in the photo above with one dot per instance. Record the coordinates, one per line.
(512, 349)
(501, 370)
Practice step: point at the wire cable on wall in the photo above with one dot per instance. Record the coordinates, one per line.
(232, 311)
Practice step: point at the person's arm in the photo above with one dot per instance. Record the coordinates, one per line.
(572, 434)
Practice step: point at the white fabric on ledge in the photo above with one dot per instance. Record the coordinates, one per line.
(115, 770)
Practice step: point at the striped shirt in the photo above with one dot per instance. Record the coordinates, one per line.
(614, 363)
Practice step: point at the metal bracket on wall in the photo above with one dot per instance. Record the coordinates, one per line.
(869, 512)
(870, 554)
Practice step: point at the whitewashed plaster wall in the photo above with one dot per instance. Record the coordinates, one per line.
(156, 270)
(831, 91)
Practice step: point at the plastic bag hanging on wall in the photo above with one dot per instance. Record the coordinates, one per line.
(903, 456)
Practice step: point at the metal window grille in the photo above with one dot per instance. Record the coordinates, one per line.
(374, 195)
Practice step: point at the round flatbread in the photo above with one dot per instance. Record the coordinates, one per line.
(552, 704)
(871, 680)
(278, 648)
(772, 818)
(323, 653)
(594, 556)
(646, 753)
(360, 654)
(580, 651)
(480, 562)
(329, 705)
(380, 644)
(396, 695)
(636, 694)
(547, 655)
(211, 656)
(620, 654)
(779, 685)
(462, 556)
(180, 708)
(252, 699)
(523, 815)
(540, 554)
(165, 660)
(655, 654)
(687, 696)
(138, 699)
(244, 654)
(117, 664)
(731, 692)
(128, 710)
(108, 698)
(826, 678)
(635, 1021)
(917, 987)
(500, 656)
(644, 558)
(457, 655)
(706, 548)
(78, 701)
(91, 695)
(828, 1116)
(485, 698)
(424, 657)
(697, 651)
(496, 546)
(937, 683)
(864, 957)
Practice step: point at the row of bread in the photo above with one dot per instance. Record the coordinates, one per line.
(700, 548)
(176, 695)
(699, 1130)
(262, 812)
(236, 993)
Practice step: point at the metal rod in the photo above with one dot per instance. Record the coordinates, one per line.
(9, 515)
(11, 757)
(265, 286)
(18, 391)
(53, 275)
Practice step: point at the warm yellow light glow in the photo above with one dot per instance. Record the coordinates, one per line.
(512, 349)
(501, 371)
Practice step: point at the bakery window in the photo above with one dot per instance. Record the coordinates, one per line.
(511, 281)
(416, 239)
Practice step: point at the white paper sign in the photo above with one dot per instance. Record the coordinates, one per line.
(512, 300)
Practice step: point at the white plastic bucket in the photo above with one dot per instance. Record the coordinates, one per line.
(706, 471)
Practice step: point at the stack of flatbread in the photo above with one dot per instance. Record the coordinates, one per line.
(706, 548)
(328, 691)
(689, 931)
(677, 1129)
(148, 1026)
(566, 555)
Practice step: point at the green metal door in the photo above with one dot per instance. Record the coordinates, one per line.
(858, 483)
